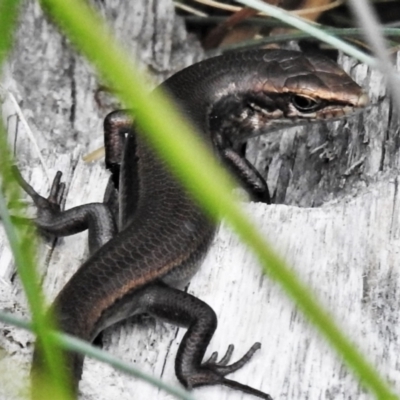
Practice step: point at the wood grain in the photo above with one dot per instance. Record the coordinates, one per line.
(347, 250)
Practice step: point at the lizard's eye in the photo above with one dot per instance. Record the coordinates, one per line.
(305, 104)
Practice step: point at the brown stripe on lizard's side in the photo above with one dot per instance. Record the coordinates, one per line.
(161, 234)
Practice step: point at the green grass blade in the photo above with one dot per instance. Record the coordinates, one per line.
(22, 238)
(313, 30)
(9, 10)
(185, 153)
(320, 34)
(71, 343)
(22, 242)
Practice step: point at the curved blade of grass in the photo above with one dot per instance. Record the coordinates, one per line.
(372, 31)
(71, 343)
(371, 28)
(304, 26)
(22, 238)
(8, 16)
(23, 242)
(209, 184)
(318, 33)
(341, 32)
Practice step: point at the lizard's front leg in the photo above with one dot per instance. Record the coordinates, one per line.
(51, 220)
(247, 174)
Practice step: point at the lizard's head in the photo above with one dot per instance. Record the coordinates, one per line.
(289, 89)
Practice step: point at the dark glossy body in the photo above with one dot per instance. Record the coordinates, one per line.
(162, 234)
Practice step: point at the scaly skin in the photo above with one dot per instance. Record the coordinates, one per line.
(162, 234)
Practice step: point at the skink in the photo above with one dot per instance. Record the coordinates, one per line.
(143, 251)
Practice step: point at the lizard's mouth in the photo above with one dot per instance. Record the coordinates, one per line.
(256, 120)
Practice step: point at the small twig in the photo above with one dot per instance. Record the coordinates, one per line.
(189, 9)
(338, 32)
(354, 166)
(318, 148)
(304, 11)
(29, 132)
(94, 155)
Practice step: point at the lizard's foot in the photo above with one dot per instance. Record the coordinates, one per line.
(49, 205)
(213, 373)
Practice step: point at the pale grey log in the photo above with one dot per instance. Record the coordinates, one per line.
(348, 251)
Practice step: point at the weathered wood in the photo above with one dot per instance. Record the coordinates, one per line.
(58, 88)
(309, 165)
(347, 250)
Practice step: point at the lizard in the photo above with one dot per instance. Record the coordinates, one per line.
(142, 253)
